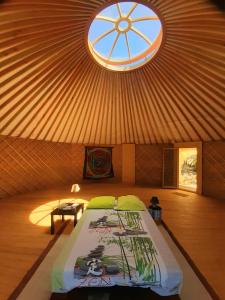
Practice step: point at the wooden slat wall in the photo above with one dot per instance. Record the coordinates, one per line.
(128, 163)
(117, 163)
(213, 181)
(52, 89)
(149, 167)
(27, 165)
(170, 163)
(149, 164)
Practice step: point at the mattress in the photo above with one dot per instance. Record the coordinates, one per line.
(123, 248)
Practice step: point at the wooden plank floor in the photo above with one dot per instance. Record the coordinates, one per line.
(196, 222)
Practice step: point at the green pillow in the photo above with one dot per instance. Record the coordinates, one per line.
(102, 202)
(130, 202)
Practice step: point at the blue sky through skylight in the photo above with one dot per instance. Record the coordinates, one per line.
(136, 42)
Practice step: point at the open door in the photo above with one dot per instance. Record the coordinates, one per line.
(182, 167)
(170, 165)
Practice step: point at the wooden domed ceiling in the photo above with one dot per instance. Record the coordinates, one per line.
(52, 89)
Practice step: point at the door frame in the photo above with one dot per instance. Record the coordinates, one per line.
(197, 145)
(175, 168)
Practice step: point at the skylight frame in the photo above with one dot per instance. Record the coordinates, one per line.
(138, 60)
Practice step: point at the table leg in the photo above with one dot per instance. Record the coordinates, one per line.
(52, 224)
(75, 219)
(62, 218)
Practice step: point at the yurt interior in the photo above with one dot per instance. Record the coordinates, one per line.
(112, 149)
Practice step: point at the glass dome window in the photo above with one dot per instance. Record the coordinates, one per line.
(125, 36)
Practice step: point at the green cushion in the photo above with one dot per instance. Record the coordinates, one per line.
(102, 202)
(130, 202)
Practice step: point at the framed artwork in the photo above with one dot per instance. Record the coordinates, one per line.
(98, 163)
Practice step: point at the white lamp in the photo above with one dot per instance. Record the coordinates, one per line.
(75, 188)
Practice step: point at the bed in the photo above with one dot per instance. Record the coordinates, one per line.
(111, 247)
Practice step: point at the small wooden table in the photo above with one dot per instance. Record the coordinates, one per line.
(66, 212)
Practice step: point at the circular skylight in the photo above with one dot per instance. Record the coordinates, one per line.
(125, 36)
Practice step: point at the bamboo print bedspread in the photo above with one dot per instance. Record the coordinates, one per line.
(116, 248)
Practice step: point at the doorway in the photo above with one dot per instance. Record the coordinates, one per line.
(187, 173)
(182, 167)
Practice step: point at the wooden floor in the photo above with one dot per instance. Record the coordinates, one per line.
(196, 222)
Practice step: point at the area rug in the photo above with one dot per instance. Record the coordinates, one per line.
(39, 286)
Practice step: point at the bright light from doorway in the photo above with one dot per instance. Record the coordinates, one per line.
(188, 169)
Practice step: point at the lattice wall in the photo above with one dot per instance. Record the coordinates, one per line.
(170, 167)
(117, 163)
(27, 165)
(213, 181)
(148, 169)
